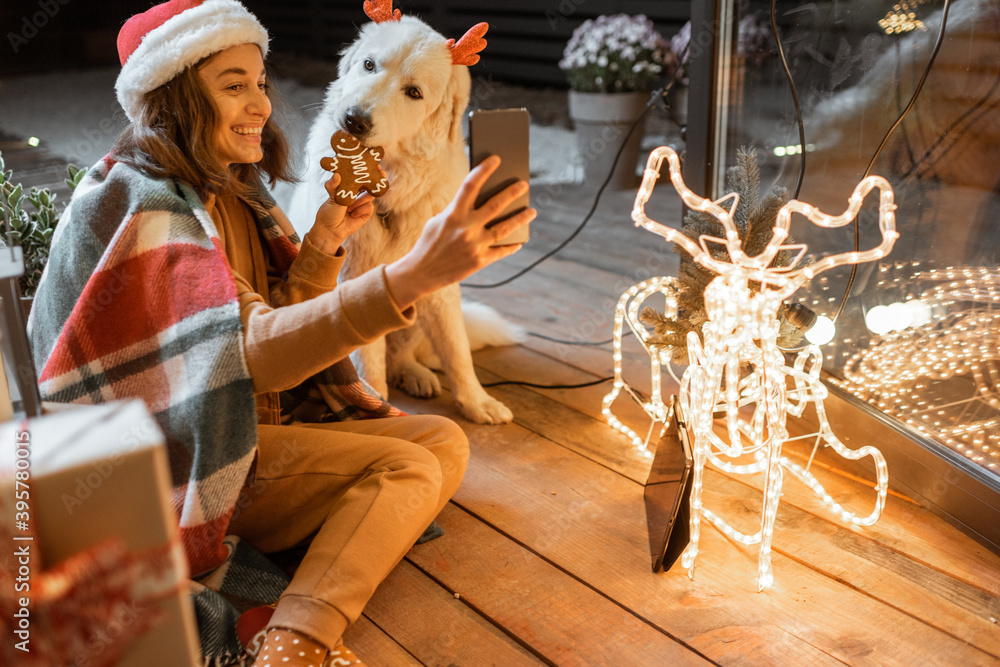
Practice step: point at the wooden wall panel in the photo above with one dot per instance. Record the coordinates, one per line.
(53, 35)
(526, 37)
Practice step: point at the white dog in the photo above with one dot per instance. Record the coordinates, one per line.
(399, 87)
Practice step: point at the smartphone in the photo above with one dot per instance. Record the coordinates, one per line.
(667, 495)
(502, 132)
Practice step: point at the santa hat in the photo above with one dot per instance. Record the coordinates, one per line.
(163, 41)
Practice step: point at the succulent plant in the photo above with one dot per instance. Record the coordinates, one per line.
(31, 228)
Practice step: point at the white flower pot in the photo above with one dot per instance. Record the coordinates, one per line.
(602, 121)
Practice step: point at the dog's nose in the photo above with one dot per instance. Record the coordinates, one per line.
(358, 122)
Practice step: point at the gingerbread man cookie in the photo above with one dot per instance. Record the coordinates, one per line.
(357, 165)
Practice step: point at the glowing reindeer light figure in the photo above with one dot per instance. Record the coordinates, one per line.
(627, 312)
(739, 365)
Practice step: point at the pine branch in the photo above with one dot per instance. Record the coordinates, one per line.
(754, 218)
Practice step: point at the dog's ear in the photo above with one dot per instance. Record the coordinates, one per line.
(446, 120)
(443, 127)
(458, 90)
(347, 58)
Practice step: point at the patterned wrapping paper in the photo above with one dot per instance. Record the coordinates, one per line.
(96, 548)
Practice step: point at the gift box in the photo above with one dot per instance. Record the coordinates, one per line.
(98, 572)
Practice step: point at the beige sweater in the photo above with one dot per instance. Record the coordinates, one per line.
(295, 326)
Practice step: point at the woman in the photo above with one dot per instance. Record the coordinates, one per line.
(174, 278)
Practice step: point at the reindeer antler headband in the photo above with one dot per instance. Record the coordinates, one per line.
(463, 52)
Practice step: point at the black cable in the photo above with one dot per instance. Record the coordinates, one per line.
(571, 342)
(558, 386)
(550, 386)
(577, 342)
(885, 140)
(795, 100)
(968, 112)
(899, 102)
(916, 91)
(593, 207)
(660, 94)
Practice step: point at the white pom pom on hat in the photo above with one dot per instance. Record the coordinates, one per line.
(166, 39)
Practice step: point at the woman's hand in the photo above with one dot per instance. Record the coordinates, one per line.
(456, 243)
(334, 223)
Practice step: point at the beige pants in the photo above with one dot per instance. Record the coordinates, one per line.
(366, 490)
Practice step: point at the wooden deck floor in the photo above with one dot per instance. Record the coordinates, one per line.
(545, 559)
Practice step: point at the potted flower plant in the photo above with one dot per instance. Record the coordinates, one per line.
(753, 47)
(612, 63)
(677, 96)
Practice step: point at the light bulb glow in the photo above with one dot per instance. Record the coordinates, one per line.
(900, 316)
(920, 312)
(627, 311)
(741, 333)
(822, 331)
(879, 320)
(941, 375)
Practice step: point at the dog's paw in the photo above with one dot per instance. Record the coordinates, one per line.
(425, 354)
(486, 410)
(433, 362)
(417, 380)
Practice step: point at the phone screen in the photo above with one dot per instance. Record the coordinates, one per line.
(502, 132)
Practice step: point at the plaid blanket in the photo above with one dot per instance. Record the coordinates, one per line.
(233, 605)
(138, 301)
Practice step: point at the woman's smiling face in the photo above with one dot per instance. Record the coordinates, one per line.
(236, 83)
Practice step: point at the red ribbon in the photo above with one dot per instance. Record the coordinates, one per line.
(89, 608)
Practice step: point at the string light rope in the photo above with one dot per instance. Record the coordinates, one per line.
(740, 334)
(956, 340)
